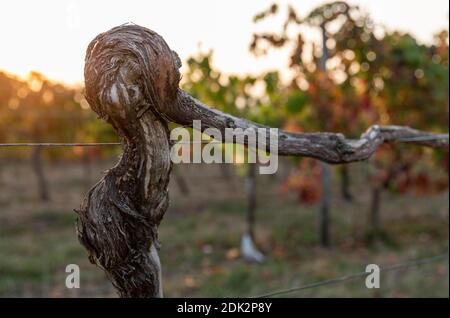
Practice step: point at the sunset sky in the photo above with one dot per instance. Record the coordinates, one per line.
(51, 36)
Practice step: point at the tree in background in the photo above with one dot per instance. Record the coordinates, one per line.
(316, 101)
(360, 76)
(412, 89)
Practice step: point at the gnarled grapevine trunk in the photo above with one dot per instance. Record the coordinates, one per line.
(131, 79)
(130, 74)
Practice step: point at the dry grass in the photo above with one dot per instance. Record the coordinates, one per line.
(201, 234)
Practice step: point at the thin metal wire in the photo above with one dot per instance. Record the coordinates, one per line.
(94, 144)
(89, 144)
(353, 276)
(56, 144)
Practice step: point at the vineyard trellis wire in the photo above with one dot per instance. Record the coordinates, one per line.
(439, 137)
(56, 144)
(353, 276)
(86, 144)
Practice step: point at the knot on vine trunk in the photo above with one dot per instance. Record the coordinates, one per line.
(130, 69)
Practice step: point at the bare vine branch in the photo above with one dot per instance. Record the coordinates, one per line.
(325, 146)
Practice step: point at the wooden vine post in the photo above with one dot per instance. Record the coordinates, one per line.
(132, 82)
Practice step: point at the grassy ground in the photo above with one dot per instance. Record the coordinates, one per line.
(201, 232)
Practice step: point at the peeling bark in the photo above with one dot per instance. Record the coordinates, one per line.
(131, 79)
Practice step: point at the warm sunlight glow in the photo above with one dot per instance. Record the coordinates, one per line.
(51, 36)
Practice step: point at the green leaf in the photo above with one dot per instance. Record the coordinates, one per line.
(295, 102)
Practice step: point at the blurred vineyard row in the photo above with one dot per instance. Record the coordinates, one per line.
(361, 75)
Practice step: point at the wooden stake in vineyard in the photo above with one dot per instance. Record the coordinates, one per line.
(326, 173)
(132, 78)
(249, 251)
(37, 165)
